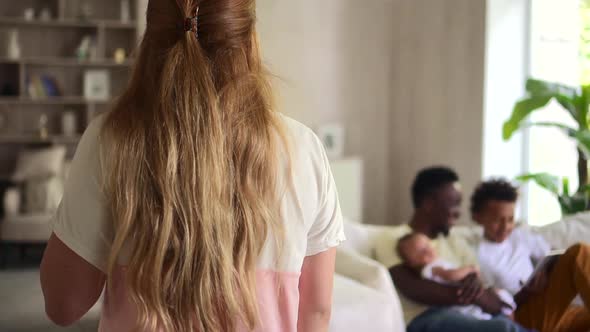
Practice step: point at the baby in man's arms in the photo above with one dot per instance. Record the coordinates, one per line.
(417, 252)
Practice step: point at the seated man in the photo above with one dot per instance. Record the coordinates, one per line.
(429, 305)
(506, 257)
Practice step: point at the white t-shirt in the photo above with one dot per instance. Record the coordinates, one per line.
(310, 214)
(509, 264)
(453, 249)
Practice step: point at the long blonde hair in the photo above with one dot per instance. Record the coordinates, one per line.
(192, 167)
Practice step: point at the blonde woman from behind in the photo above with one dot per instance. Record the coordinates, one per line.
(192, 203)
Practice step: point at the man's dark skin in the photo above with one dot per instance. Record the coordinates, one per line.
(435, 215)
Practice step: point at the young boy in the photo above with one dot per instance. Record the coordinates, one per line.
(418, 253)
(506, 255)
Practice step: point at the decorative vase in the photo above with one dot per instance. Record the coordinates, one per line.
(12, 202)
(68, 124)
(43, 130)
(29, 14)
(14, 51)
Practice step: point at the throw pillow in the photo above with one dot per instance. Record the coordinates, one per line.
(40, 163)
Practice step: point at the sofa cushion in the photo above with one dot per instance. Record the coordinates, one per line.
(40, 163)
(358, 238)
(385, 244)
(471, 233)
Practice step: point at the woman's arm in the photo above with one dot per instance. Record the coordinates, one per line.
(71, 286)
(315, 292)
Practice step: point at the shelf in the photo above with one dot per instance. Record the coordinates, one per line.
(64, 62)
(50, 101)
(28, 139)
(30, 218)
(68, 23)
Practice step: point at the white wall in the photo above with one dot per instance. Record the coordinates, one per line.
(333, 63)
(437, 113)
(507, 67)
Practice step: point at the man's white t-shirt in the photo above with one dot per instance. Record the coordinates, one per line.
(509, 264)
(453, 249)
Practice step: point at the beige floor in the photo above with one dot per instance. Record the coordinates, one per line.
(22, 309)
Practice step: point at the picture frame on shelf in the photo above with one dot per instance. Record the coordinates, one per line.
(97, 85)
(332, 137)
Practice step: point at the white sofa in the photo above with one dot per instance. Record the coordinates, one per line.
(364, 296)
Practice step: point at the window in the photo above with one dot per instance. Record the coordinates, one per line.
(555, 56)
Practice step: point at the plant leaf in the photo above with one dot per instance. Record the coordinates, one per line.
(521, 110)
(583, 105)
(571, 105)
(565, 95)
(573, 204)
(544, 180)
(543, 88)
(565, 186)
(583, 138)
(585, 188)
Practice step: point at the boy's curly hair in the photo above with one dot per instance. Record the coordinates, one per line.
(493, 190)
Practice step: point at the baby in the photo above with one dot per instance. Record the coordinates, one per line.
(417, 252)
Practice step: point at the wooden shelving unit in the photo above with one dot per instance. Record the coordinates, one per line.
(48, 49)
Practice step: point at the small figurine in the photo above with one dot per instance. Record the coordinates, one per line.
(83, 50)
(43, 131)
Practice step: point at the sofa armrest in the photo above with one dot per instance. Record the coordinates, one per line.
(373, 275)
(364, 270)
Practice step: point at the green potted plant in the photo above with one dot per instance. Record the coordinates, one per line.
(575, 102)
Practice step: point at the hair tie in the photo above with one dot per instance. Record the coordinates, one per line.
(192, 23)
